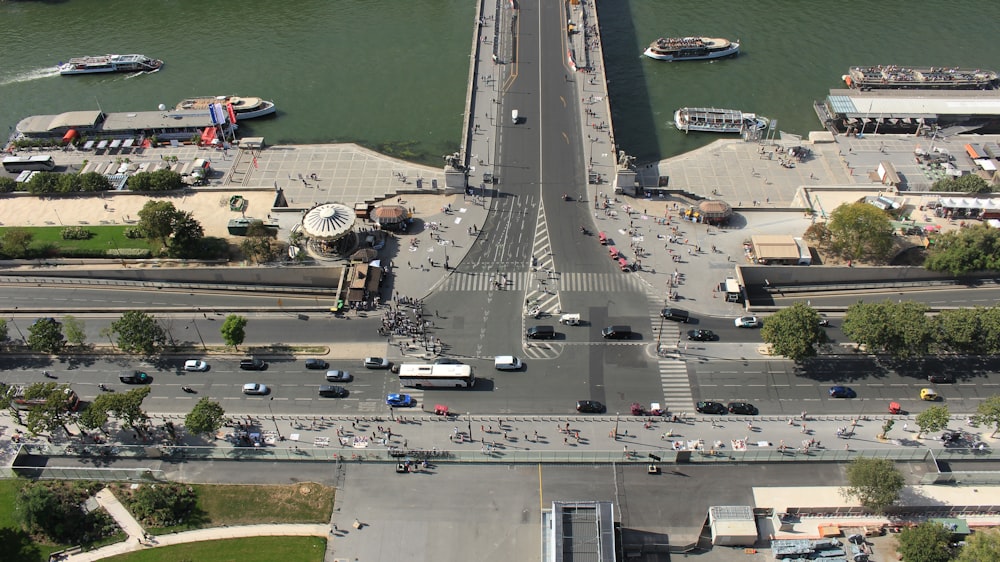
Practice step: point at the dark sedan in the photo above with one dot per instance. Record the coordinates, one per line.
(134, 377)
(589, 407)
(742, 408)
(711, 408)
(317, 364)
(941, 378)
(842, 392)
(701, 335)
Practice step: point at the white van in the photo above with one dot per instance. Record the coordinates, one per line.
(514, 116)
(507, 363)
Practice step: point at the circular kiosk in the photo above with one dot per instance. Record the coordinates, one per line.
(713, 211)
(392, 217)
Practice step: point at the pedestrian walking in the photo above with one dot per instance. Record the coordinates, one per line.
(906, 427)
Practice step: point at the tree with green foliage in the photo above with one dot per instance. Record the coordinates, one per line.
(960, 330)
(165, 180)
(964, 251)
(900, 329)
(981, 545)
(138, 332)
(234, 330)
(39, 508)
(68, 183)
(257, 249)
(54, 412)
(207, 416)
(156, 219)
(45, 335)
(927, 542)
(93, 182)
(886, 428)
(969, 183)
(187, 234)
(932, 419)
(3, 330)
(7, 185)
(15, 242)
(988, 413)
(162, 504)
(43, 183)
(140, 181)
(95, 415)
(874, 482)
(55, 509)
(75, 330)
(861, 231)
(794, 332)
(126, 407)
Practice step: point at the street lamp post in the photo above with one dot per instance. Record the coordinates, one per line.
(274, 420)
(195, 323)
(468, 418)
(18, 331)
(616, 425)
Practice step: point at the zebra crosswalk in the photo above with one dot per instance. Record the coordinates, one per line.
(542, 282)
(676, 385)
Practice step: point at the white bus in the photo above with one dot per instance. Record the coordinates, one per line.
(21, 163)
(422, 375)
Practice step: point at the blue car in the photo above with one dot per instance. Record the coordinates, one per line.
(842, 392)
(399, 400)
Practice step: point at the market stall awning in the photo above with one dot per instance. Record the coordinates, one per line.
(70, 135)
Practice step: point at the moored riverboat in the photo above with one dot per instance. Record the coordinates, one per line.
(243, 107)
(714, 120)
(930, 78)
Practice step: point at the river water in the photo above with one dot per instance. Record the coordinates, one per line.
(392, 76)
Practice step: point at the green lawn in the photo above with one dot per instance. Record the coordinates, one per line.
(219, 505)
(257, 549)
(106, 237)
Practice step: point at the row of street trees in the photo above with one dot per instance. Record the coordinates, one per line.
(901, 329)
(53, 412)
(134, 332)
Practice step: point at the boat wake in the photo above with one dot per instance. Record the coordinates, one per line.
(29, 75)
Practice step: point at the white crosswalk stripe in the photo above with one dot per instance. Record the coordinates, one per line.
(543, 282)
(483, 281)
(541, 350)
(676, 386)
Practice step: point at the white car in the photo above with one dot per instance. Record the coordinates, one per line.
(255, 389)
(195, 365)
(748, 322)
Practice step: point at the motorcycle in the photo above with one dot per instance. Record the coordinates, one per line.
(48, 375)
(584, 231)
(104, 388)
(187, 389)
